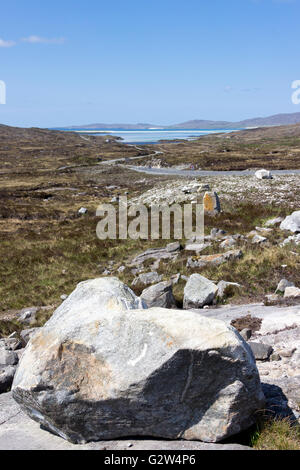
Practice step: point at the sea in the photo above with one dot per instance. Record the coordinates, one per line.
(150, 136)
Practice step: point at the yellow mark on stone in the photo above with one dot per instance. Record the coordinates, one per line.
(208, 202)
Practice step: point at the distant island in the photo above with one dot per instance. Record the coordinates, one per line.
(275, 120)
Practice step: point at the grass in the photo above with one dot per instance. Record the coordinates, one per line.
(276, 434)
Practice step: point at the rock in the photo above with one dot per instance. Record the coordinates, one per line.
(121, 269)
(263, 174)
(28, 315)
(8, 358)
(19, 432)
(291, 292)
(82, 211)
(275, 357)
(97, 372)
(258, 239)
(198, 247)
(198, 292)
(227, 288)
(217, 233)
(6, 378)
(26, 335)
(246, 334)
(217, 259)
(261, 351)
(283, 284)
(211, 203)
(176, 278)
(274, 222)
(147, 278)
(154, 253)
(11, 343)
(159, 295)
(63, 297)
(291, 222)
(228, 242)
(272, 299)
(286, 352)
(283, 396)
(291, 239)
(171, 247)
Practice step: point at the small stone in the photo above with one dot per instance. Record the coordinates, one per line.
(272, 299)
(273, 222)
(82, 211)
(286, 352)
(275, 357)
(171, 247)
(64, 297)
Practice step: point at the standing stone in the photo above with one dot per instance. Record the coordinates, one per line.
(98, 371)
(211, 203)
(198, 292)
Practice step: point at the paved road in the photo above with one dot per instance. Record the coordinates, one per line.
(197, 173)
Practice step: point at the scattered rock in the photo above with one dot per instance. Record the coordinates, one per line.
(198, 292)
(217, 233)
(147, 278)
(94, 373)
(171, 247)
(63, 297)
(198, 247)
(155, 253)
(263, 174)
(291, 239)
(121, 269)
(261, 351)
(291, 222)
(28, 315)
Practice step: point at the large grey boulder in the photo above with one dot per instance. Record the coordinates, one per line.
(99, 369)
(159, 295)
(291, 222)
(198, 292)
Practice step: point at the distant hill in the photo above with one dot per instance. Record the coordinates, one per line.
(275, 120)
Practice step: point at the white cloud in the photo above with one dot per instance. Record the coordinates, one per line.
(4, 43)
(39, 40)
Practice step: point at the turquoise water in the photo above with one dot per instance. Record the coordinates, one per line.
(151, 135)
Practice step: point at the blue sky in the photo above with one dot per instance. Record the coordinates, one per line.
(71, 62)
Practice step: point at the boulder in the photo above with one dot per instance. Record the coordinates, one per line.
(228, 242)
(291, 222)
(211, 203)
(263, 175)
(97, 370)
(198, 292)
(159, 295)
